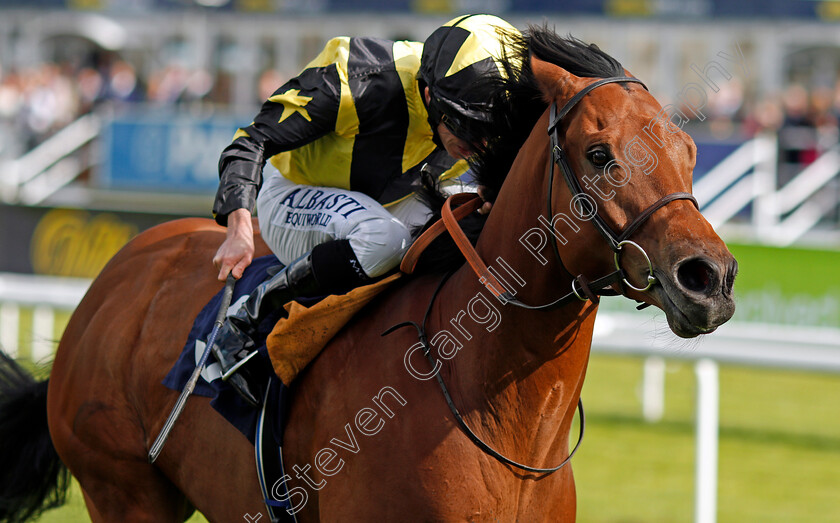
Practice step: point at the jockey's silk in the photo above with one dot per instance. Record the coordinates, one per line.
(353, 119)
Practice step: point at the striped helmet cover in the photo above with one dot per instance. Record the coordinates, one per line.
(456, 62)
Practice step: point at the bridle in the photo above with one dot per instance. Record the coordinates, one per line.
(615, 240)
(460, 205)
(466, 203)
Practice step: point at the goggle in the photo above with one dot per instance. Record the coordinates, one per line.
(473, 132)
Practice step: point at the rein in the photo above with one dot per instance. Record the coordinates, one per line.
(427, 351)
(466, 203)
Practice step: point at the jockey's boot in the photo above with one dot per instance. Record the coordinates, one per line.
(234, 344)
(329, 268)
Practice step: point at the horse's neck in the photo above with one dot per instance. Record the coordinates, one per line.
(519, 367)
(506, 343)
(518, 377)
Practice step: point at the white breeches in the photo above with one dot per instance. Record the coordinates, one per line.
(295, 218)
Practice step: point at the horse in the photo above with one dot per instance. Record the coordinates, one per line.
(369, 435)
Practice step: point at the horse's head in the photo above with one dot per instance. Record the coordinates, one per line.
(634, 168)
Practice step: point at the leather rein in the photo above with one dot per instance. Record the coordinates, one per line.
(465, 203)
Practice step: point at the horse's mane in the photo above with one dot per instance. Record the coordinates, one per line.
(517, 104)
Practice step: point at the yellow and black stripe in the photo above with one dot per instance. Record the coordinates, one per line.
(354, 119)
(460, 61)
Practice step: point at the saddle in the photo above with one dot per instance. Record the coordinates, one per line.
(288, 340)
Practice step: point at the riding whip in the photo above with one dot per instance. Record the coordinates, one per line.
(157, 446)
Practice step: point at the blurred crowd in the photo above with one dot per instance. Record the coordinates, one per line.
(806, 119)
(36, 102)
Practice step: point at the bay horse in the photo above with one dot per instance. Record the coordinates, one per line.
(370, 436)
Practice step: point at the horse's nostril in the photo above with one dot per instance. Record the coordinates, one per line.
(697, 275)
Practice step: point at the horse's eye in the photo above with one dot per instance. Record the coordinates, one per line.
(598, 157)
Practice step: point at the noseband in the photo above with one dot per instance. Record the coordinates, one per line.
(615, 240)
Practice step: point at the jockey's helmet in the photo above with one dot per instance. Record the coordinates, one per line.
(458, 60)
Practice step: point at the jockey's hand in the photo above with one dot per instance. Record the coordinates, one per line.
(237, 251)
(484, 209)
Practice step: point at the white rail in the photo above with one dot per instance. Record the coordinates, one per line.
(624, 333)
(764, 345)
(727, 188)
(740, 161)
(800, 195)
(41, 172)
(783, 346)
(780, 216)
(44, 296)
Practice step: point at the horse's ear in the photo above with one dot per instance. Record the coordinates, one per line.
(554, 81)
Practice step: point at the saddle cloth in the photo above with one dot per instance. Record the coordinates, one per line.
(288, 340)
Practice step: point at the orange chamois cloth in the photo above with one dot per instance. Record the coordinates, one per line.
(296, 340)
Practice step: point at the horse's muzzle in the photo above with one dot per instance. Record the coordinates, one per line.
(697, 295)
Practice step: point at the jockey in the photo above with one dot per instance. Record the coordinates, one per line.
(346, 141)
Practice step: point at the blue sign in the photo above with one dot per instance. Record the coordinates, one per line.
(166, 152)
(710, 153)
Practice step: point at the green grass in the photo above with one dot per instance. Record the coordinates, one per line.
(787, 285)
(779, 448)
(792, 270)
(778, 458)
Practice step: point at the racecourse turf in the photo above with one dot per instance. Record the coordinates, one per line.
(779, 448)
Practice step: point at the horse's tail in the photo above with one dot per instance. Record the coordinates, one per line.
(33, 478)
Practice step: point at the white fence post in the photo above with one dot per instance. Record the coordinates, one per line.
(765, 211)
(9, 328)
(705, 483)
(43, 329)
(653, 389)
